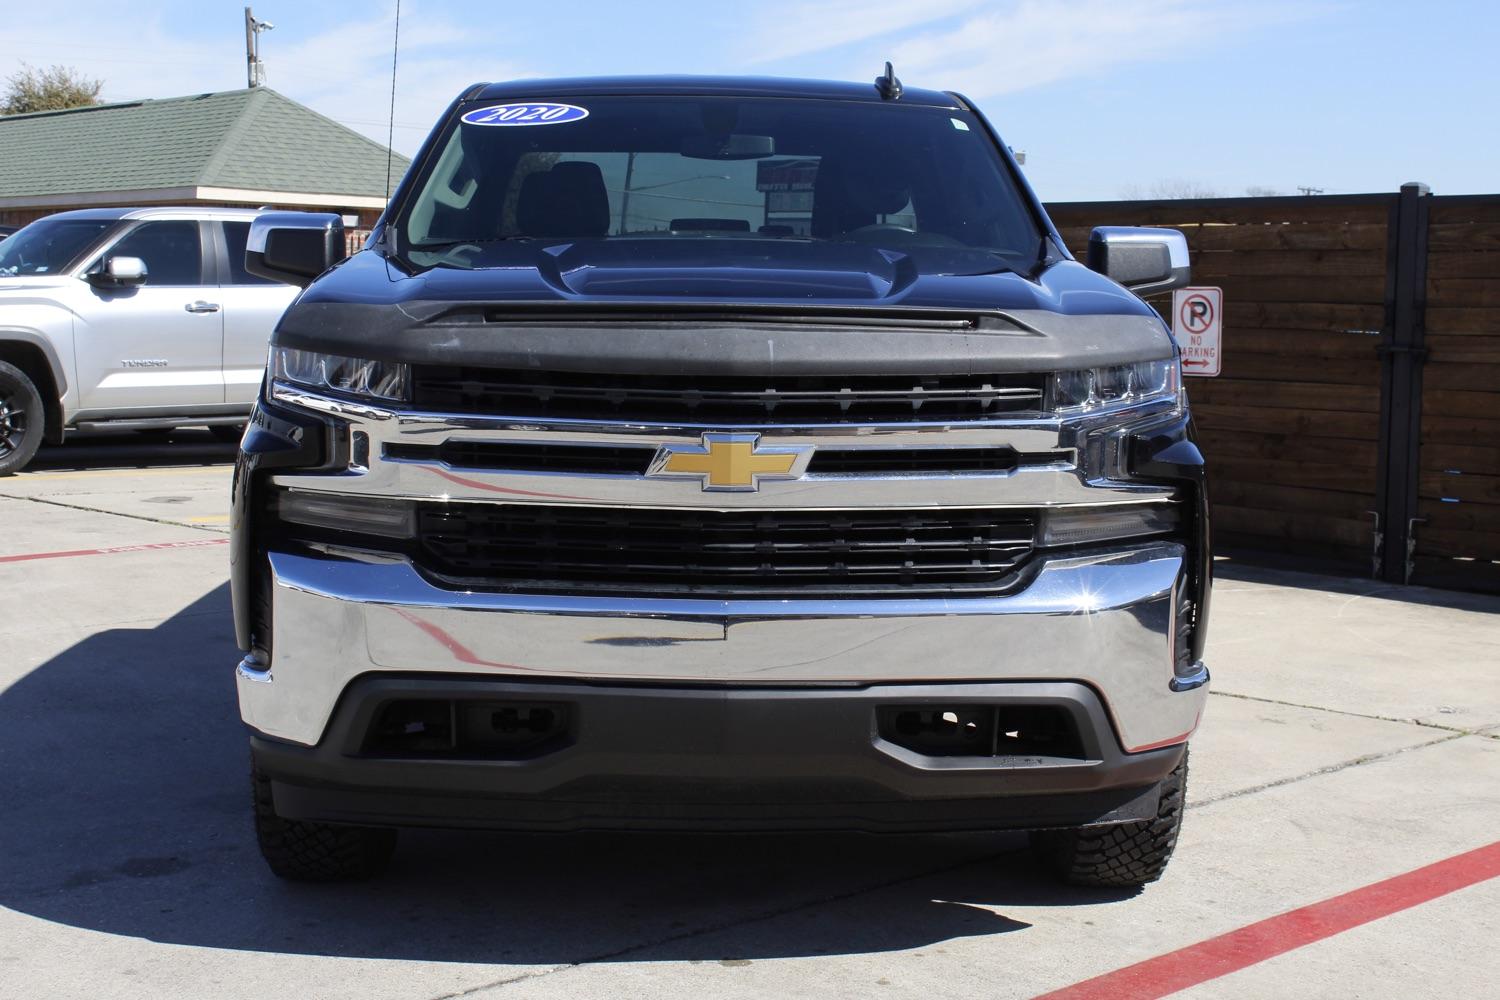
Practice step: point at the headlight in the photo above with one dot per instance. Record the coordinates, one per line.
(1101, 390)
(384, 380)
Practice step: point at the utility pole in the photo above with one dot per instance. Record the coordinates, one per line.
(1309, 191)
(255, 70)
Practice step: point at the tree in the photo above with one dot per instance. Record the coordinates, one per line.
(1261, 191)
(1164, 190)
(55, 88)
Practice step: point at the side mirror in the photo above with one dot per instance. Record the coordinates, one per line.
(120, 272)
(1144, 260)
(294, 247)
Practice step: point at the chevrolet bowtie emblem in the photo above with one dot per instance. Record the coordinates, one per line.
(730, 462)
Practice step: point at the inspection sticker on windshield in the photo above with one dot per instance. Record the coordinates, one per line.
(537, 113)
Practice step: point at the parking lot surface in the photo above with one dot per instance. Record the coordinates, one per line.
(1349, 763)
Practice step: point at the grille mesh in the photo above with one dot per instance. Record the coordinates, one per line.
(725, 399)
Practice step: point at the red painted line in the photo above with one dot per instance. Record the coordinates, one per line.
(1198, 963)
(148, 547)
(477, 485)
(460, 652)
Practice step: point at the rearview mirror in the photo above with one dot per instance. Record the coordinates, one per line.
(294, 247)
(120, 272)
(729, 147)
(1143, 259)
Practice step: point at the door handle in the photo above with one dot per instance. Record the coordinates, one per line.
(202, 307)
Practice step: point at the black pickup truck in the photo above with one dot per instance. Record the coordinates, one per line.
(701, 453)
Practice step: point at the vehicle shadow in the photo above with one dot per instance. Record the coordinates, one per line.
(1282, 573)
(133, 450)
(123, 767)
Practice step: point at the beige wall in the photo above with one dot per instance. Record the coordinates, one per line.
(21, 216)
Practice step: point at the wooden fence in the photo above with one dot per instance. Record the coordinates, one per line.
(1357, 416)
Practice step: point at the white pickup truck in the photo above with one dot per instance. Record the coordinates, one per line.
(138, 319)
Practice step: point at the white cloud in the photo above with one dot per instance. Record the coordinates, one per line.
(786, 30)
(343, 72)
(986, 49)
(1035, 42)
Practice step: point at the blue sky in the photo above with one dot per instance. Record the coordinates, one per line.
(1107, 97)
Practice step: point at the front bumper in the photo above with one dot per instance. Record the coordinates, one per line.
(1104, 619)
(705, 758)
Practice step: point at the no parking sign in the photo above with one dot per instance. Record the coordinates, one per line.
(1197, 320)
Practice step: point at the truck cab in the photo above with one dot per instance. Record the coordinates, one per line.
(706, 453)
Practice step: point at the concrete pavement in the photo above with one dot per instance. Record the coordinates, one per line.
(1354, 734)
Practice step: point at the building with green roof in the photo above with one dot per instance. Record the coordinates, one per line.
(239, 147)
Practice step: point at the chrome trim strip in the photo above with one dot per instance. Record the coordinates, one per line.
(1027, 486)
(309, 400)
(1071, 584)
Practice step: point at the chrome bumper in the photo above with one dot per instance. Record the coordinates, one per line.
(1103, 618)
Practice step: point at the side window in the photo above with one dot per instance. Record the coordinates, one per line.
(235, 234)
(172, 251)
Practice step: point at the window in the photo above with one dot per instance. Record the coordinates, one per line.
(49, 246)
(235, 234)
(172, 251)
(927, 182)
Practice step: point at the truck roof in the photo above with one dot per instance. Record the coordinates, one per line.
(160, 211)
(704, 86)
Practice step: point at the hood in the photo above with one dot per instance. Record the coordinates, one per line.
(32, 283)
(751, 305)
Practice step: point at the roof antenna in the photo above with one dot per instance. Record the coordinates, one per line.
(888, 86)
(390, 135)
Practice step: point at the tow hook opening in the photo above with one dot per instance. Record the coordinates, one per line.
(981, 730)
(464, 728)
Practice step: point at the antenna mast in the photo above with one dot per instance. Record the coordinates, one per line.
(255, 70)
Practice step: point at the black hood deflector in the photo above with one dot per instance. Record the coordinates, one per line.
(942, 324)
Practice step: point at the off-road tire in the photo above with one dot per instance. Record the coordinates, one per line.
(316, 852)
(1120, 855)
(23, 422)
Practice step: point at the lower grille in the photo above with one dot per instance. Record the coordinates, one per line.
(709, 553)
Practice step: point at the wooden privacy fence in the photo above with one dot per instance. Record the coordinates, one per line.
(1357, 416)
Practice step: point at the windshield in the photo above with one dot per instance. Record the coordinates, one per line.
(927, 182)
(49, 246)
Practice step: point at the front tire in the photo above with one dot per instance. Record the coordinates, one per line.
(1119, 855)
(22, 419)
(316, 852)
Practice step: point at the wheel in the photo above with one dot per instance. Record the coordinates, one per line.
(227, 433)
(316, 852)
(1125, 855)
(22, 419)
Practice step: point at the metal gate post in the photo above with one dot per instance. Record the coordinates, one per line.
(1402, 353)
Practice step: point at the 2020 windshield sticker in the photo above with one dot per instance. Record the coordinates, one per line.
(534, 113)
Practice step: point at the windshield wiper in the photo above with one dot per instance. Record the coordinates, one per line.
(446, 244)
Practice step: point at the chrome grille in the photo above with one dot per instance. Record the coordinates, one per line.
(634, 460)
(721, 552)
